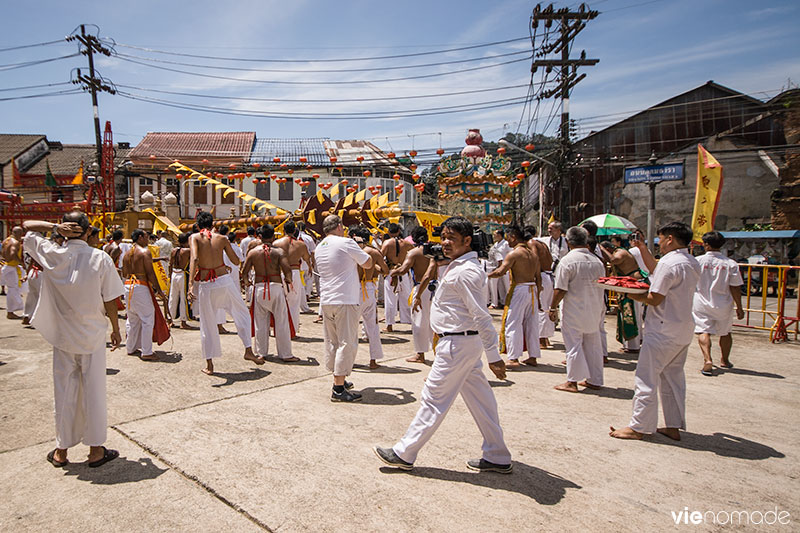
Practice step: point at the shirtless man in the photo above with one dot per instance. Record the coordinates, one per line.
(140, 280)
(624, 264)
(421, 317)
(12, 275)
(179, 281)
(213, 289)
(521, 314)
(112, 248)
(547, 328)
(396, 288)
(369, 301)
(296, 252)
(269, 301)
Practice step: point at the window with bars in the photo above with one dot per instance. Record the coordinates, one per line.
(263, 190)
(286, 191)
(231, 196)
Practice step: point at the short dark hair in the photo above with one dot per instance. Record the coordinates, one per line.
(117, 235)
(714, 239)
(500, 231)
(359, 231)
(232, 237)
(224, 229)
(195, 228)
(419, 235)
(680, 231)
(515, 232)
(393, 228)
(301, 226)
(460, 225)
(616, 238)
(137, 234)
(352, 229)
(530, 232)
(251, 230)
(78, 217)
(608, 245)
(183, 238)
(204, 220)
(267, 231)
(290, 228)
(95, 231)
(589, 226)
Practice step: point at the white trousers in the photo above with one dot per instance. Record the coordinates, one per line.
(522, 322)
(602, 332)
(498, 289)
(178, 304)
(221, 294)
(547, 328)
(636, 342)
(340, 335)
(369, 315)
(305, 290)
(271, 304)
(79, 386)
(140, 321)
(10, 276)
(457, 368)
(659, 369)
(34, 287)
(584, 355)
(293, 299)
(397, 296)
(421, 322)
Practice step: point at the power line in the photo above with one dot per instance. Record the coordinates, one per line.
(20, 47)
(343, 82)
(330, 60)
(41, 95)
(25, 87)
(13, 66)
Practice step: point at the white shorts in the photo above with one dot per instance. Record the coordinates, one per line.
(719, 323)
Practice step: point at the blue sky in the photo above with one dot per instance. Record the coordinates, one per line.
(648, 51)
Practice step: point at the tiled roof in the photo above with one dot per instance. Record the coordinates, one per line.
(12, 144)
(290, 151)
(347, 153)
(66, 159)
(191, 147)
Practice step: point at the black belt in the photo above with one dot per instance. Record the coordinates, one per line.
(451, 333)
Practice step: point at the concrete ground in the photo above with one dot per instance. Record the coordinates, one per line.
(263, 448)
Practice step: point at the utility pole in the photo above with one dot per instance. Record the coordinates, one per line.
(570, 24)
(92, 83)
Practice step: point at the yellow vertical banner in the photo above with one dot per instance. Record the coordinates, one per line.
(707, 193)
(163, 278)
(429, 221)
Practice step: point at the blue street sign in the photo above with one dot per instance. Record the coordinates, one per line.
(654, 173)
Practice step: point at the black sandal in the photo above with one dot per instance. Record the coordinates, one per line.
(108, 455)
(51, 458)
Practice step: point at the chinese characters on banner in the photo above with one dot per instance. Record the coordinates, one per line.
(430, 221)
(707, 193)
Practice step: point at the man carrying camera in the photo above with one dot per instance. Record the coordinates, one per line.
(464, 326)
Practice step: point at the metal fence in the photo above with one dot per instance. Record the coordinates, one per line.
(771, 303)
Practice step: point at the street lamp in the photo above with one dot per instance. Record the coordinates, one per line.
(651, 209)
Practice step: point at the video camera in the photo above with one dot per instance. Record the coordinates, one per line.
(481, 242)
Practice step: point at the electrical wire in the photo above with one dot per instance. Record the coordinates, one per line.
(23, 46)
(340, 82)
(328, 60)
(41, 95)
(12, 66)
(6, 89)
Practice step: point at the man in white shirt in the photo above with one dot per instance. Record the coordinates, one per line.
(668, 333)
(164, 249)
(244, 246)
(12, 275)
(465, 329)
(306, 270)
(719, 288)
(337, 261)
(79, 286)
(498, 286)
(576, 284)
(556, 242)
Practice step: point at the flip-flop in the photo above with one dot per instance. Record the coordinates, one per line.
(108, 455)
(707, 372)
(729, 365)
(52, 460)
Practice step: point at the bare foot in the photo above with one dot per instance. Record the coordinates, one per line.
(544, 343)
(723, 364)
(373, 364)
(625, 433)
(60, 455)
(318, 320)
(530, 361)
(513, 363)
(567, 386)
(672, 433)
(12, 316)
(498, 368)
(419, 358)
(588, 385)
(26, 321)
(708, 369)
(250, 356)
(564, 362)
(151, 357)
(222, 330)
(184, 325)
(209, 369)
(388, 329)
(291, 359)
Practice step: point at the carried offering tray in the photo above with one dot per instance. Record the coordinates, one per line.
(624, 284)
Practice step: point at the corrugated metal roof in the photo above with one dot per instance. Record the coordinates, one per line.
(189, 146)
(348, 151)
(13, 144)
(66, 159)
(290, 151)
(772, 234)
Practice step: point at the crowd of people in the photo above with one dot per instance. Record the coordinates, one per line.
(67, 285)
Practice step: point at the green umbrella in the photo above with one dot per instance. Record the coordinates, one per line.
(608, 224)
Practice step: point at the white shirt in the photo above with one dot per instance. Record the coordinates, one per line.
(717, 274)
(227, 260)
(164, 248)
(76, 280)
(124, 248)
(309, 240)
(637, 254)
(245, 245)
(558, 247)
(337, 259)
(577, 274)
(459, 303)
(498, 252)
(675, 277)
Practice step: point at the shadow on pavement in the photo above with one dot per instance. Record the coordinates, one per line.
(619, 393)
(721, 444)
(302, 362)
(393, 340)
(236, 377)
(746, 372)
(307, 339)
(112, 371)
(621, 365)
(120, 470)
(168, 357)
(386, 369)
(541, 367)
(535, 483)
(395, 396)
(505, 383)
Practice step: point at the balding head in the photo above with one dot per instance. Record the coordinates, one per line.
(331, 224)
(79, 218)
(17, 232)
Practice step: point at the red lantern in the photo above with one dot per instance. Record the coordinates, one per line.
(378, 187)
(276, 159)
(256, 165)
(334, 159)
(309, 167)
(273, 176)
(415, 177)
(205, 162)
(248, 174)
(525, 164)
(360, 158)
(152, 157)
(303, 159)
(520, 177)
(413, 166)
(440, 151)
(178, 176)
(419, 187)
(321, 185)
(344, 182)
(284, 165)
(374, 191)
(367, 173)
(232, 166)
(530, 147)
(413, 153)
(501, 150)
(315, 176)
(263, 182)
(398, 188)
(391, 155)
(297, 181)
(255, 180)
(290, 171)
(396, 177)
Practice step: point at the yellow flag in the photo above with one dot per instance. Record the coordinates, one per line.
(551, 219)
(384, 199)
(429, 221)
(312, 217)
(361, 195)
(321, 196)
(161, 275)
(78, 179)
(707, 193)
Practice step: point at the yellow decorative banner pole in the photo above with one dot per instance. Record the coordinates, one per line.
(707, 193)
